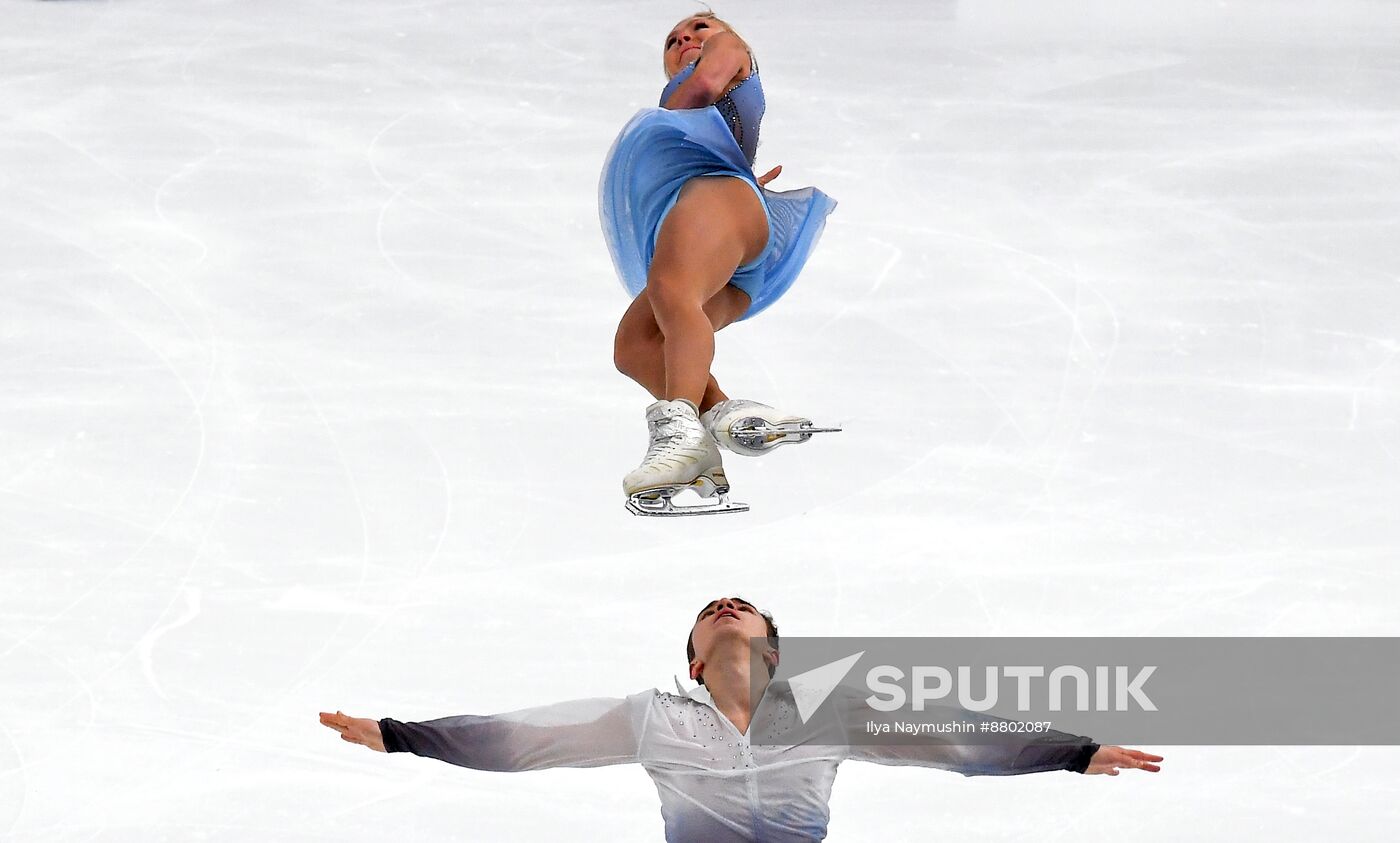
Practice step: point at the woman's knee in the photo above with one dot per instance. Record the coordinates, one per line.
(633, 347)
(672, 294)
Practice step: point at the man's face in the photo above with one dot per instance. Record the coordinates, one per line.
(727, 617)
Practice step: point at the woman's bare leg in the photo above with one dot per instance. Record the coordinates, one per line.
(638, 348)
(717, 225)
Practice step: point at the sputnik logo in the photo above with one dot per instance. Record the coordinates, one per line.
(811, 688)
(1114, 688)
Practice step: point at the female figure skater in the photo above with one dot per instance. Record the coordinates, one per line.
(700, 244)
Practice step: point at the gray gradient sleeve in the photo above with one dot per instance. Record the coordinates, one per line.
(580, 733)
(1012, 754)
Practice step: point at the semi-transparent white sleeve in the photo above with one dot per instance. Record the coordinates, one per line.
(1013, 753)
(578, 733)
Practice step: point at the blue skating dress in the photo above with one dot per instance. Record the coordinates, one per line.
(660, 149)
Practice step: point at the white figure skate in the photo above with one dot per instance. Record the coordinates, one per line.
(681, 456)
(753, 429)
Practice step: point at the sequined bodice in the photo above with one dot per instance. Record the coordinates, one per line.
(741, 106)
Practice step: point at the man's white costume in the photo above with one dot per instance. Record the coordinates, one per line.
(716, 783)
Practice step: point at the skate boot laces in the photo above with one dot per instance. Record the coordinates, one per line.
(670, 436)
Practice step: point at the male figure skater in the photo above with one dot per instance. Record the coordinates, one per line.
(716, 782)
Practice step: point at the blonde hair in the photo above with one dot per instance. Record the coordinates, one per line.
(707, 15)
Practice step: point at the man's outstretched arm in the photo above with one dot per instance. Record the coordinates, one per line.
(1044, 753)
(580, 733)
(1108, 760)
(1015, 755)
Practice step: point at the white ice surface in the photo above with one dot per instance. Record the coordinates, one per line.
(306, 397)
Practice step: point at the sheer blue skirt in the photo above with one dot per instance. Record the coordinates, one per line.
(658, 151)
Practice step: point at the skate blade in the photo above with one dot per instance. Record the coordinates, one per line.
(759, 435)
(662, 502)
(668, 509)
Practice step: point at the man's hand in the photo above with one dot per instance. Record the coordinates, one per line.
(365, 732)
(1110, 759)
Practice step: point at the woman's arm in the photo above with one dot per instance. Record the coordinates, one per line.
(581, 733)
(722, 57)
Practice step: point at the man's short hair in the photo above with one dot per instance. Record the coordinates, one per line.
(763, 613)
